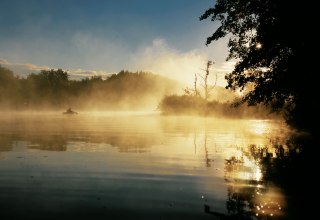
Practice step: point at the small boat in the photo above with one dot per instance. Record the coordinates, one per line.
(69, 111)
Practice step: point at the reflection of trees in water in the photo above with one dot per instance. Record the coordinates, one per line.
(239, 200)
(275, 160)
(6, 143)
(208, 161)
(253, 188)
(259, 195)
(132, 144)
(124, 142)
(48, 143)
(248, 195)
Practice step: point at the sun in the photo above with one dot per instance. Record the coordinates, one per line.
(258, 45)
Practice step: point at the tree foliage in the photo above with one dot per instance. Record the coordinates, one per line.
(273, 44)
(52, 89)
(8, 84)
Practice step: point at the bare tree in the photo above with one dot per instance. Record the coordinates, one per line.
(208, 88)
(194, 91)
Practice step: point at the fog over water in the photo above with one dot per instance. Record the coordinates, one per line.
(100, 164)
(120, 110)
(92, 148)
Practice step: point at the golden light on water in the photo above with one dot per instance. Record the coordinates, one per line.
(225, 154)
(269, 204)
(260, 127)
(257, 174)
(246, 180)
(244, 171)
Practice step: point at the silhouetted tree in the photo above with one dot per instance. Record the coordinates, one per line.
(10, 91)
(206, 87)
(51, 86)
(5, 75)
(194, 91)
(274, 46)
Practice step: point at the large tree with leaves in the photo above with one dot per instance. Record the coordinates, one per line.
(274, 44)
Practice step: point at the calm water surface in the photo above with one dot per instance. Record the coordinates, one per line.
(135, 166)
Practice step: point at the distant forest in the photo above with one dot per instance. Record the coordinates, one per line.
(53, 90)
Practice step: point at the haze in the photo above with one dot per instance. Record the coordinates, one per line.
(99, 38)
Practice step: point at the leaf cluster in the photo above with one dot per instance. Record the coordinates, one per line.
(274, 45)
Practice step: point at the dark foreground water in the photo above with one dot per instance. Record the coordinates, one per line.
(139, 166)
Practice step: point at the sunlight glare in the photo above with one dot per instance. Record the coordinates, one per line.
(258, 45)
(258, 173)
(260, 127)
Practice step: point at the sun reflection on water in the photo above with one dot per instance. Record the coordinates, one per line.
(260, 126)
(249, 193)
(212, 155)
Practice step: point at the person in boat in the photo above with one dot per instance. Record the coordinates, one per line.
(70, 111)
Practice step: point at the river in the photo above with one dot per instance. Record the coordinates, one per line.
(137, 166)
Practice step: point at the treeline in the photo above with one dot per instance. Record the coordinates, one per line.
(208, 99)
(52, 89)
(196, 105)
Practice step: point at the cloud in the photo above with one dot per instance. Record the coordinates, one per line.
(81, 74)
(95, 55)
(159, 58)
(24, 70)
(3, 62)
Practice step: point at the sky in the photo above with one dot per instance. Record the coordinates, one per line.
(102, 37)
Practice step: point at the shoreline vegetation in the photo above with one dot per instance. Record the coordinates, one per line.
(52, 90)
(190, 105)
